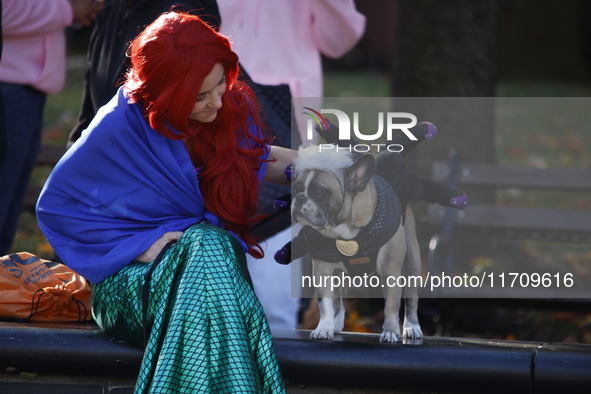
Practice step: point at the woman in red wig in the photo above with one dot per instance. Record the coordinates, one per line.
(153, 205)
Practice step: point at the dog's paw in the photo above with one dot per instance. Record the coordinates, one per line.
(412, 332)
(390, 337)
(322, 334)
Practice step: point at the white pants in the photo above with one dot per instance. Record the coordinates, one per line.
(273, 283)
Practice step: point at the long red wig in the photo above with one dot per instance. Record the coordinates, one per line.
(169, 61)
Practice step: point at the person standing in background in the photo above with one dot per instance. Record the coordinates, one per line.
(281, 42)
(117, 23)
(33, 66)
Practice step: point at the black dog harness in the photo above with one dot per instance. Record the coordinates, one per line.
(360, 254)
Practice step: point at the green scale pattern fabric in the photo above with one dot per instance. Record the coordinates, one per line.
(208, 331)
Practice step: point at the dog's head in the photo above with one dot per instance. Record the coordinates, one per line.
(326, 184)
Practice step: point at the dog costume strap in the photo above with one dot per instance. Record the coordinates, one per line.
(364, 248)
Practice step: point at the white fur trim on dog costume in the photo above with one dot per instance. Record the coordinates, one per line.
(330, 161)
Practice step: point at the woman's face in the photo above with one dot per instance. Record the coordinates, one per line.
(209, 100)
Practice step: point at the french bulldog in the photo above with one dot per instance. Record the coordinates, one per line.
(343, 205)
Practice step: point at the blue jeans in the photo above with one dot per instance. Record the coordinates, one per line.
(24, 122)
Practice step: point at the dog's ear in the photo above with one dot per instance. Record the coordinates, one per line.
(359, 173)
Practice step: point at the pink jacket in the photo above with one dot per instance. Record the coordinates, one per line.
(280, 41)
(34, 43)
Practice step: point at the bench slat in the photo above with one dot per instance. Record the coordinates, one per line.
(514, 176)
(489, 216)
(31, 197)
(50, 154)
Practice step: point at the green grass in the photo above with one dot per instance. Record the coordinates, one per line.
(61, 110)
(356, 84)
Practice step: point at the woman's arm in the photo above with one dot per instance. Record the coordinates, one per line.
(279, 158)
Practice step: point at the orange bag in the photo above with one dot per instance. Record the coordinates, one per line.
(32, 289)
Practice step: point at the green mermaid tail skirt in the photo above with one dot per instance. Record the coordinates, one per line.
(207, 330)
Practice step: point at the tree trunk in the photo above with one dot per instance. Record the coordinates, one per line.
(445, 59)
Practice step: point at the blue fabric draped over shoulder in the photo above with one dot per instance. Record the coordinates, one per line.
(119, 188)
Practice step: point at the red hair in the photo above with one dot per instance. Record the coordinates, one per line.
(169, 61)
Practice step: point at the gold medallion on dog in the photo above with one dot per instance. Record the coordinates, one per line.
(347, 248)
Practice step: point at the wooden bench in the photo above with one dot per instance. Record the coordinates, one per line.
(510, 222)
(66, 358)
(75, 358)
(48, 157)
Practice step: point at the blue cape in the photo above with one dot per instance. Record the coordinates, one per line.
(119, 188)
